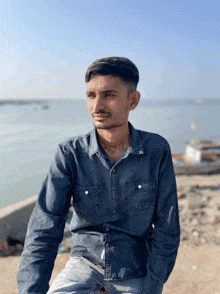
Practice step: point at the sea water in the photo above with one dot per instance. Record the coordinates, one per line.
(31, 130)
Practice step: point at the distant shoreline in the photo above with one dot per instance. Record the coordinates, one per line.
(22, 102)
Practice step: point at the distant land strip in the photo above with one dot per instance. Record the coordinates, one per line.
(22, 102)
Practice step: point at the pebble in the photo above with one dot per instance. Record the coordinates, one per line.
(180, 195)
(195, 234)
(215, 219)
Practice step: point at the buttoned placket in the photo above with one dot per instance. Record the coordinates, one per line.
(107, 250)
(113, 189)
(106, 253)
(107, 238)
(113, 175)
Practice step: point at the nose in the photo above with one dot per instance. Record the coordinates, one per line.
(98, 104)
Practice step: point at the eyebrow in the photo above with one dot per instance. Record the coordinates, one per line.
(103, 92)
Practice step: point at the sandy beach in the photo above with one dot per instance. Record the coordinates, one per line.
(197, 268)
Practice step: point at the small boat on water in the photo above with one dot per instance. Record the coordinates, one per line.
(200, 157)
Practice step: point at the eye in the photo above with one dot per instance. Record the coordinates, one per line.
(91, 95)
(110, 95)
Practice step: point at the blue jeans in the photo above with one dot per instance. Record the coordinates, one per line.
(83, 277)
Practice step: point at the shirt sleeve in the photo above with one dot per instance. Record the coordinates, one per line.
(46, 226)
(166, 232)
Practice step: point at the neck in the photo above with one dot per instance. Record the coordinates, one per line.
(115, 139)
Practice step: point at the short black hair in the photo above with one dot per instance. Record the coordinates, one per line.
(116, 66)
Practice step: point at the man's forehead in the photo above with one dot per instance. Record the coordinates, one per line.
(105, 80)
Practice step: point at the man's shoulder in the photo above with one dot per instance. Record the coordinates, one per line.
(79, 141)
(152, 141)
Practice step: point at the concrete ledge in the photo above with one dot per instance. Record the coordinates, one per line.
(14, 219)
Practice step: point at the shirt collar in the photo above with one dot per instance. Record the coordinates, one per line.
(135, 145)
(93, 144)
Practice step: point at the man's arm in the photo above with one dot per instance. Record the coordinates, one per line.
(166, 233)
(45, 228)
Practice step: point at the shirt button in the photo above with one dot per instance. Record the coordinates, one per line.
(107, 245)
(114, 211)
(107, 229)
(113, 192)
(139, 186)
(86, 192)
(113, 170)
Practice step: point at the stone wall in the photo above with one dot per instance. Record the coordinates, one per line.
(14, 220)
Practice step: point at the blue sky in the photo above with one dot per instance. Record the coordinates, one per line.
(47, 45)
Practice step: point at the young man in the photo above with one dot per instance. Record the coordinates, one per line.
(125, 224)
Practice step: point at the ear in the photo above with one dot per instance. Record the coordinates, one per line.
(135, 98)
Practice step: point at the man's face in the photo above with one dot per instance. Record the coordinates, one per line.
(109, 101)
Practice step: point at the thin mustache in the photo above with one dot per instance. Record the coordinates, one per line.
(99, 112)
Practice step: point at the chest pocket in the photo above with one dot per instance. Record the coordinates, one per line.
(140, 196)
(88, 202)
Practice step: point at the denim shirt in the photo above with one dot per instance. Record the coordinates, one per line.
(125, 214)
